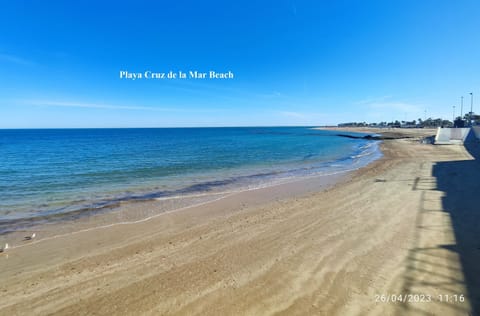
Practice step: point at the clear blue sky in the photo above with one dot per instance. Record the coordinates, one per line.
(295, 62)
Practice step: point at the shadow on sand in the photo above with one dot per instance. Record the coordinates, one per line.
(457, 185)
(460, 181)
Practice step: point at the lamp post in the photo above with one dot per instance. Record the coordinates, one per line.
(453, 119)
(461, 109)
(471, 108)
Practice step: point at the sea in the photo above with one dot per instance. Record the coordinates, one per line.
(49, 174)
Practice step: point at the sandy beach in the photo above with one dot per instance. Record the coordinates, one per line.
(398, 237)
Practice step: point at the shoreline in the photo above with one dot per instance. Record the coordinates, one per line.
(323, 252)
(126, 212)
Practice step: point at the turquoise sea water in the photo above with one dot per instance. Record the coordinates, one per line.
(56, 171)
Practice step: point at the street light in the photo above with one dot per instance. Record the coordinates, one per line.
(471, 108)
(461, 109)
(453, 119)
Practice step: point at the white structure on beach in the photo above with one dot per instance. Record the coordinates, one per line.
(476, 130)
(457, 136)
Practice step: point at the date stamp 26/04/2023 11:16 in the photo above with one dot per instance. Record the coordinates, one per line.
(419, 298)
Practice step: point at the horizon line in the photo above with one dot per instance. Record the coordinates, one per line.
(160, 127)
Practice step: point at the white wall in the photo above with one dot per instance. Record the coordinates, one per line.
(451, 135)
(476, 130)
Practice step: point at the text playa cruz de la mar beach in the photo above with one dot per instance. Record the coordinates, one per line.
(191, 74)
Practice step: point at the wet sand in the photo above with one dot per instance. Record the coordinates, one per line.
(400, 226)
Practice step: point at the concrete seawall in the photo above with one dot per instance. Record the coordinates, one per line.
(476, 130)
(457, 136)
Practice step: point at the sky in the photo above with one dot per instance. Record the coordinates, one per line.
(293, 62)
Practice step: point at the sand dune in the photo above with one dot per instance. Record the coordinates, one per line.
(391, 228)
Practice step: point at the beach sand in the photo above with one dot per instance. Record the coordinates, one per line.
(406, 224)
